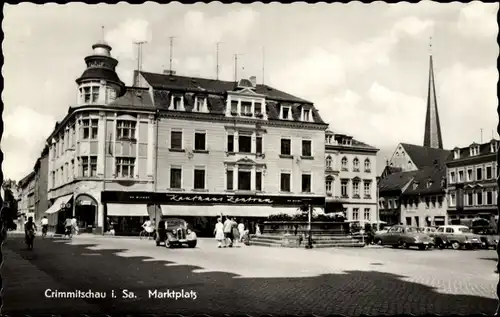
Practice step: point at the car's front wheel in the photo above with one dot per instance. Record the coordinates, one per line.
(168, 244)
(455, 245)
(192, 244)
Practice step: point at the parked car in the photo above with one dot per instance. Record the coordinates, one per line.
(378, 235)
(174, 232)
(456, 236)
(406, 237)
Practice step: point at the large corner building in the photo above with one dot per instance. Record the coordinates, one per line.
(180, 146)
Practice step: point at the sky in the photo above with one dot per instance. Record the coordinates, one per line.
(365, 66)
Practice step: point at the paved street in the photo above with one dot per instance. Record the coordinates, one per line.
(246, 279)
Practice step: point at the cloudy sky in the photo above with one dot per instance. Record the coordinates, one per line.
(364, 66)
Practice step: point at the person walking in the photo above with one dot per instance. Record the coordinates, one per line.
(219, 232)
(74, 224)
(241, 229)
(234, 230)
(227, 233)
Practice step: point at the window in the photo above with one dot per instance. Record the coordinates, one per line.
(427, 202)
(367, 214)
(307, 115)
(200, 141)
(479, 174)
(452, 199)
(449, 230)
(89, 166)
(470, 199)
(229, 179)
(460, 176)
(367, 165)
(198, 105)
(343, 187)
(258, 108)
(328, 139)
(328, 161)
(328, 186)
(479, 198)
(489, 172)
(456, 154)
(72, 169)
(234, 106)
(355, 189)
(176, 177)
(258, 144)
(230, 143)
(469, 175)
(85, 166)
(344, 164)
(125, 129)
(246, 108)
(355, 214)
(258, 181)
(199, 178)
(90, 94)
(433, 202)
(63, 174)
(285, 113)
(67, 171)
(53, 179)
(286, 147)
(176, 140)
(452, 177)
(389, 203)
(285, 182)
(306, 183)
(244, 180)
(177, 103)
(90, 127)
(355, 165)
(489, 198)
(245, 143)
(125, 167)
(306, 148)
(440, 202)
(367, 188)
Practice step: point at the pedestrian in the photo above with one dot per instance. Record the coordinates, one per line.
(257, 229)
(219, 232)
(234, 231)
(227, 232)
(74, 225)
(241, 229)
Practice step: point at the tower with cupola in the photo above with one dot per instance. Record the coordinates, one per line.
(99, 84)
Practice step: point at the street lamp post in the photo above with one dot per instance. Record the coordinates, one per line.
(309, 208)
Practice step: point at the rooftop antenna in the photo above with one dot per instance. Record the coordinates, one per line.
(217, 59)
(102, 35)
(263, 64)
(430, 45)
(171, 51)
(236, 67)
(481, 135)
(139, 60)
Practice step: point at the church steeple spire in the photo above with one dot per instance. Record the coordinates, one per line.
(432, 135)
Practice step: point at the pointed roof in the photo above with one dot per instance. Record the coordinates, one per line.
(423, 156)
(432, 134)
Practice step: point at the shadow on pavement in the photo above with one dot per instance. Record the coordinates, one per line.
(352, 293)
(490, 259)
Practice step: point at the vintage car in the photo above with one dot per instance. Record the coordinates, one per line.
(378, 235)
(174, 232)
(406, 237)
(456, 236)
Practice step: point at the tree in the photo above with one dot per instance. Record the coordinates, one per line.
(9, 211)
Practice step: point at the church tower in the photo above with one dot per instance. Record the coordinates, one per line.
(99, 84)
(432, 135)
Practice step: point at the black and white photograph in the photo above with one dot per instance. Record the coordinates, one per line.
(250, 159)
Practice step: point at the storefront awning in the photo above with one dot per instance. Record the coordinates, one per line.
(190, 210)
(127, 210)
(56, 206)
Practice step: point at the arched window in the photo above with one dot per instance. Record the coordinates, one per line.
(355, 164)
(344, 163)
(367, 165)
(409, 164)
(328, 161)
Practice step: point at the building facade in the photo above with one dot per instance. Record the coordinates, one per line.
(180, 146)
(41, 170)
(26, 198)
(350, 177)
(472, 189)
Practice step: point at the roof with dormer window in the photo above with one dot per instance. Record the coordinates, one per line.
(484, 149)
(423, 156)
(432, 176)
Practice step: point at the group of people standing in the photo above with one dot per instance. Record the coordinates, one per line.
(229, 232)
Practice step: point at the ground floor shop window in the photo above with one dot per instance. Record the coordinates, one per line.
(126, 226)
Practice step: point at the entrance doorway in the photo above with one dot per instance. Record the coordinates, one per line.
(86, 213)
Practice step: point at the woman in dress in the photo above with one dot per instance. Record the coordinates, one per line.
(219, 232)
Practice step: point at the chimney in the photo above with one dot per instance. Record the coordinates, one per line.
(135, 80)
(169, 72)
(253, 79)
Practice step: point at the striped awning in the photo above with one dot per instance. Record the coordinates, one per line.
(127, 210)
(56, 206)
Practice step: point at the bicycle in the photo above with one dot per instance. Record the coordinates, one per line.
(68, 233)
(44, 231)
(146, 235)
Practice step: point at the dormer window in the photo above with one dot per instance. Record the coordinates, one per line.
(494, 146)
(89, 94)
(415, 185)
(177, 103)
(328, 139)
(199, 104)
(456, 154)
(474, 150)
(306, 114)
(258, 108)
(429, 183)
(234, 107)
(286, 113)
(246, 108)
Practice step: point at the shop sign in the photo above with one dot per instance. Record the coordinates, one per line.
(206, 199)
